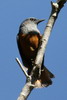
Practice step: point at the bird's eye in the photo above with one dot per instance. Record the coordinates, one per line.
(32, 19)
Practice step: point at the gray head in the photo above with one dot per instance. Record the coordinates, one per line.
(29, 25)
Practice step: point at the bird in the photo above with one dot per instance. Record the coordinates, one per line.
(28, 40)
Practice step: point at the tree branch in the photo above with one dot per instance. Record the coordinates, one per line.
(29, 86)
(42, 48)
(25, 91)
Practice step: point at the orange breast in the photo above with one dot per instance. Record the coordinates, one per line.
(29, 44)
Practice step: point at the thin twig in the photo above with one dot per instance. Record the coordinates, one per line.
(22, 68)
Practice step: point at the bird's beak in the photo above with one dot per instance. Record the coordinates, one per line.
(40, 20)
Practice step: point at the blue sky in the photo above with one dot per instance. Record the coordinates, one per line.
(12, 79)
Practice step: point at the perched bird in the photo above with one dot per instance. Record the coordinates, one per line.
(28, 40)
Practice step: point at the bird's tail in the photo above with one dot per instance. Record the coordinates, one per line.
(45, 78)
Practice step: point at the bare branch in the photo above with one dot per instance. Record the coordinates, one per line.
(25, 91)
(42, 48)
(28, 86)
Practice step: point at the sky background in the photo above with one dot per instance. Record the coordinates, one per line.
(12, 79)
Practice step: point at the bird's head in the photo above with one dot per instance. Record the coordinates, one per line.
(29, 25)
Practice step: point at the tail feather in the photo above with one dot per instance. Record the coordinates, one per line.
(49, 73)
(45, 78)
